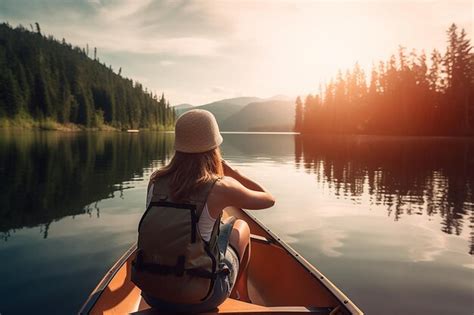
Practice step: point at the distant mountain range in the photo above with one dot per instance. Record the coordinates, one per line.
(249, 113)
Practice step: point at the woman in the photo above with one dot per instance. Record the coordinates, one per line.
(178, 272)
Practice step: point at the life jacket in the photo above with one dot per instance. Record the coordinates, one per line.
(173, 263)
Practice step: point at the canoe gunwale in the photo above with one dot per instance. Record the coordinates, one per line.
(97, 292)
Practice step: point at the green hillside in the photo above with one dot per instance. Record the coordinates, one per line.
(43, 79)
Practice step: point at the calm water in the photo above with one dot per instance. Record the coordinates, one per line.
(388, 220)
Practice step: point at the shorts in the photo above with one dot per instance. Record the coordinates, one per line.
(222, 286)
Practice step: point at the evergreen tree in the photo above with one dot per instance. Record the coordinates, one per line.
(298, 115)
(435, 76)
(464, 70)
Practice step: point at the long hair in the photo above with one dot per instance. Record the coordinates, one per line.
(189, 171)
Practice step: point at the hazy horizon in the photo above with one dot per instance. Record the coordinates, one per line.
(201, 51)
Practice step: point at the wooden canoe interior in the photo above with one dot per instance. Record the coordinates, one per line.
(277, 280)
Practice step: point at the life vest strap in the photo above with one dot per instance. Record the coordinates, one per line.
(171, 270)
(172, 205)
(198, 272)
(177, 270)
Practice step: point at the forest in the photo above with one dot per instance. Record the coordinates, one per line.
(410, 94)
(43, 79)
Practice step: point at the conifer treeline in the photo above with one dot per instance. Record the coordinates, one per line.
(406, 95)
(43, 78)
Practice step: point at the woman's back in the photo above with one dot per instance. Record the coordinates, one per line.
(188, 195)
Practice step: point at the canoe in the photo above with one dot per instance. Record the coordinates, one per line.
(280, 281)
(133, 130)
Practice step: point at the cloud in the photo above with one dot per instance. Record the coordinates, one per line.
(217, 89)
(123, 9)
(166, 63)
(223, 92)
(178, 28)
(257, 47)
(151, 27)
(123, 41)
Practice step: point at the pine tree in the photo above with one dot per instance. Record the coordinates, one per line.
(298, 115)
(12, 97)
(434, 75)
(465, 73)
(450, 59)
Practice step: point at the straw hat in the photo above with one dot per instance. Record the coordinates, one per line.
(196, 131)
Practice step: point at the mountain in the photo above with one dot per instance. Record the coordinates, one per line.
(249, 113)
(181, 108)
(43, 79)
(222, 109)
(272, 115)
(242, 101)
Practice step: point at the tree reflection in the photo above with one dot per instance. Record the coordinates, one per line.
(410, 176)
(47, 176)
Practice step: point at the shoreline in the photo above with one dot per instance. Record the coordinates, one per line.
(28, 124)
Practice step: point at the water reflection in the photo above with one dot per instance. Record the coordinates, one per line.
(51, 175)
(333, 194)
(277, 147)
(411, 176)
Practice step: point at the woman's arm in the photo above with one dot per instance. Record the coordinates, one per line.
(247, 182)
(237, 190)
(237, 195)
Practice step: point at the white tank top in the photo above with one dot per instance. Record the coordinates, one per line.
(205, 224)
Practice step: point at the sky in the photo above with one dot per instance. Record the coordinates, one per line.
(201, 51)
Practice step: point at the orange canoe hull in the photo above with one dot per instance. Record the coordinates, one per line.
(280, 281)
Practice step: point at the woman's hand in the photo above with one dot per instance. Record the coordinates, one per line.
(228, 170)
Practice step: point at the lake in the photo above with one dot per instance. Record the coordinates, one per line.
(389, 220)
